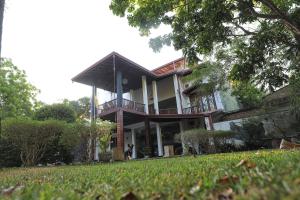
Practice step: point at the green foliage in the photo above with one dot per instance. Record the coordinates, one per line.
(208, 77)
(17, 95)
(256, 42)
(275, 176)
(9, 154)
(80, 106)
(31, 137)
(56, 111)
(247, 94)
(103, 131)
(47, 141)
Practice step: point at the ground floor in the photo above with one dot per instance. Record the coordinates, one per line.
(153, 135)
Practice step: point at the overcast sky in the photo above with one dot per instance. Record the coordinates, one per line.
(54, 40)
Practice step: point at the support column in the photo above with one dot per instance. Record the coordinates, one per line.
(119, 89)
(155, 98)
(159, 140)
(148, 150)
(93, 113)
(93, 142)
(120, 131)
(209, 123)
(134, 144)
(184, 149)
(145, 94)
(177, 94)
(131, 95)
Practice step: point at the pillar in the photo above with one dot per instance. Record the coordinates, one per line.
(120, 131)
(184, 149)
(209, 123)
(93, 143)
(177, 94)
(148, 146)
(93, 113)
(159, 140)
(119, 89)
(145, 94)
(131, 95)
(155, 98)
(134, 154)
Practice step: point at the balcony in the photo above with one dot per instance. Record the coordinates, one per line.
(126, 104)
(136, 107)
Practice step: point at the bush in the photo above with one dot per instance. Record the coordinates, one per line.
(56, 111)
(40, 141)
(205, 141)
(9, 154)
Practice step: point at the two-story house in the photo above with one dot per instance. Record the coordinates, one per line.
(149, 107)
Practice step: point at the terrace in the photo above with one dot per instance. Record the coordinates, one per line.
(139, 108)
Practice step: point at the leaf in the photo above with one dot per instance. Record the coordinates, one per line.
(196, 188)
(246, 163)
(228, 179)
(129, 196)
(226, 195)
(10, 190)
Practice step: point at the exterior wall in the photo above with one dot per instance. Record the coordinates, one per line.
(225, 126)
(165, 90)
(127, 140)
(229, 102)
(184, 98)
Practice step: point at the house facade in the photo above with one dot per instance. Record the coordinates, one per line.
(150, 107)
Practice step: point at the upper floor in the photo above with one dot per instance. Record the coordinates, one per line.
(162, 91)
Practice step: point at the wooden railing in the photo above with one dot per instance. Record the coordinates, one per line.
(168, 111)
(132, 105)
(192, 110)
(139, 107)
(126, 104)
(107, 106)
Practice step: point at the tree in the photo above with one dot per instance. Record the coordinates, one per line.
(80, 106)
(56, 111)
(256, 41)
(2, 4)
(17, 95)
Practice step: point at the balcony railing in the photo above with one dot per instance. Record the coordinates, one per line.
(192, 110)
(126, 104)
(139, 107)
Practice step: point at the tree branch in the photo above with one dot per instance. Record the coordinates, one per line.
(247, 32)
(283, 16)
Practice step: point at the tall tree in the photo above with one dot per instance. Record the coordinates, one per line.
(2, 3)
(256, 41)
(17, 95)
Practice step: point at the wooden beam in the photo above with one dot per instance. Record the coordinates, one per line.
(120, 130)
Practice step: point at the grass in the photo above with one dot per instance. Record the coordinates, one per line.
(261, 175)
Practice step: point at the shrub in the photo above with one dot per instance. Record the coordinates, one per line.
(205, 141)
(222, 142)
(9, 154)
(56, 111)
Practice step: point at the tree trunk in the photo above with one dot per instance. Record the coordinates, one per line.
(2, 3)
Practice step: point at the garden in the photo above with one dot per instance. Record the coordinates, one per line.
(265, 174)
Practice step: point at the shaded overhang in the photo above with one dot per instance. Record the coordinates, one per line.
(102, 74)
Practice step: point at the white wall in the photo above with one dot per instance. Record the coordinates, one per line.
(225, 126)
(127, 140)
(165, 90)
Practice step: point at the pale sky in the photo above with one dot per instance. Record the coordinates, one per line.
(54, 40)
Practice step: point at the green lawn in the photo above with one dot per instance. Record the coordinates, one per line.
(263, 175)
